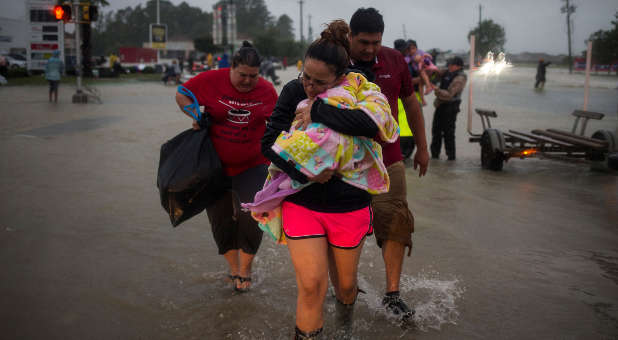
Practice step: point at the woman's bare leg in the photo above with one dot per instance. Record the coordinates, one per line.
(310, 259)
(344, 274)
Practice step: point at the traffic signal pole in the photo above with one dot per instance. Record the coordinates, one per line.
(158, 22)
(79, 96)
(78, 57)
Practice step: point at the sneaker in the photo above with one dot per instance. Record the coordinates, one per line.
(395, 305)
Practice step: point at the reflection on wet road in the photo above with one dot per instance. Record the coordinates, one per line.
(77, 125)
(87, 252)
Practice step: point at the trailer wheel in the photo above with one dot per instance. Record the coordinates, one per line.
(612, 161)
(604, 159)
(492, 150)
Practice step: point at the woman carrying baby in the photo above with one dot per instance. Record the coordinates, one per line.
(326, 221)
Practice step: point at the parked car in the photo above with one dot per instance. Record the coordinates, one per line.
(18, 56)
(15, 63)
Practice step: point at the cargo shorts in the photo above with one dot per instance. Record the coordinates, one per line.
(392, 219)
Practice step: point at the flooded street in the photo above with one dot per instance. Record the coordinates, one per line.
(87, 252)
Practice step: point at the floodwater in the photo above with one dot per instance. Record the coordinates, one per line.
(87, 252)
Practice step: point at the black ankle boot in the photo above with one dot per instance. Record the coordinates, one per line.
(300, 335)
(344, 314)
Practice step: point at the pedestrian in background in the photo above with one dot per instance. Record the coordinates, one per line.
(540, 74)
(406, 138)
(190, 61)
(53, 72)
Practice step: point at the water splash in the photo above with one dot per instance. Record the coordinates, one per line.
(434, 299)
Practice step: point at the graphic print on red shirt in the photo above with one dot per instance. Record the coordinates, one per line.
(238, 118)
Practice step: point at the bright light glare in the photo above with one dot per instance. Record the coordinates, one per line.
(491, 66)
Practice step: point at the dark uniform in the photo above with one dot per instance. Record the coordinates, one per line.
(540, 73)
(448, 99)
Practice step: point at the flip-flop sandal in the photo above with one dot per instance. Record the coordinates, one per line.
(232, 278)
(242, 280)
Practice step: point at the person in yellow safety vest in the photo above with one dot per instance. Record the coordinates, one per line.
(299, 65)
(112, 60)
(209, 61)
(406, 139)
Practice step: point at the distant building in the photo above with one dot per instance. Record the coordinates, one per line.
(45, 34)
(533, 58)
(13, 36)
(579, 64)
(137, 55)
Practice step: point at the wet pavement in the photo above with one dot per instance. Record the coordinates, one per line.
(86, 251)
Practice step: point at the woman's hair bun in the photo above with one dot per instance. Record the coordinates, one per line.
(245, 43)
(336, 32)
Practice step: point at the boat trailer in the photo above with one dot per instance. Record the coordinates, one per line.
(599, 150)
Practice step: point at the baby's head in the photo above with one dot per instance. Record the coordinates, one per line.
(412, 48)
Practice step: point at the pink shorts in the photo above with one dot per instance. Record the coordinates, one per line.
(342, 230)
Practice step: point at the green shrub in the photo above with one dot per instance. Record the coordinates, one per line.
(17, 72)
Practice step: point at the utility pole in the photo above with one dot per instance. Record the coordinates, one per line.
(404, 31)
(480, 33)
(302, 37)
(309, 30)
(569, 8)
(480, 15)
(158, 22)
(231, 25)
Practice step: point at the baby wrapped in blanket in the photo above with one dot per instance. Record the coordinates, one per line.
(357, 160)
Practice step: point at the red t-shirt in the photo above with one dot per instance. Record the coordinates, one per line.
(393, 77)
(238, 119)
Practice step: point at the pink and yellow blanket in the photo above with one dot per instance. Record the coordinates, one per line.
(357, 160)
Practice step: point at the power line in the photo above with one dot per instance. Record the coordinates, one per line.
(309, 30)
(302, 38)
(568, 9)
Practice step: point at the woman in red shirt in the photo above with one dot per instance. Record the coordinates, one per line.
(238, 102)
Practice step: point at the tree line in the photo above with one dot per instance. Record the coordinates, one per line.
(130, 27)
(605, 44)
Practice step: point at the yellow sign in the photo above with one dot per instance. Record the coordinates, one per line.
(86, 12)
(158, 35)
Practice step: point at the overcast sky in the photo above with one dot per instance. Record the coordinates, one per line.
(530, 25)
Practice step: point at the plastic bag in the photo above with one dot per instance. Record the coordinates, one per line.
(190, 175)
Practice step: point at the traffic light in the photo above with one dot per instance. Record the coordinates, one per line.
(89, 12)
(62, 12)
(94, 13)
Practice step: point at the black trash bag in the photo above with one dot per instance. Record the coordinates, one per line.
(190, 176)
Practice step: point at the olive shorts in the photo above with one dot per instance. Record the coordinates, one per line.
(392, 219)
